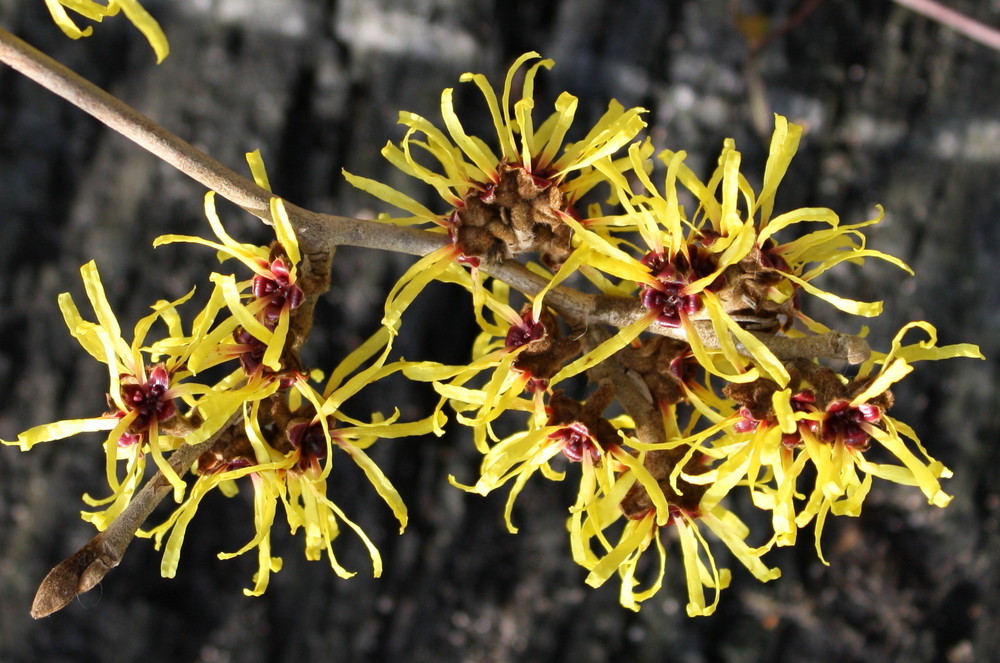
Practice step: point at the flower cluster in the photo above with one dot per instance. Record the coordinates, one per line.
(263, 419)
(505, 202)
(717, 370)
(705, 375)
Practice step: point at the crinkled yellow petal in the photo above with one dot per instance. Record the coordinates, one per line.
(147, 25)
(728, 527)
(889, 375)
(357, 382)
(180, 521)
(392, 196)
(403, 159)
(243, 314)
(706, 360)
(613, 131)
(120, 497)
(356, 358)
(523, 474)
(671, 219)
(246, 253)
(257, 169)
(631, 599)
(389, 429)
(608, 258)
(924, 476)
(65, 23)
(105, 316)
(769, 363)
(372, 550)
(565, 106)
(527, 447)
(606, 349)
(379, 481)
(856, 256)
(782, 221)
(165, 468)
(784, 143)
(851, 505)
(687, 534)
(649, 483)
(284, 232)
(432, 371)
(59, 430)
(924, 350)
(730, 223)
(461, 174)
(411, 283)
(476, 150)
(866, 309)
(84, 332)
(473, 397)
(276, 346)
(265, 508)
(781, 403)
(567, 269)
(632, 538)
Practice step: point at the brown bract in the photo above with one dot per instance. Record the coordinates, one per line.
(565, 411)
(518, 214)
(660, 362)
(544, 357)
(746, 293)
(755, 396)
(660, 464)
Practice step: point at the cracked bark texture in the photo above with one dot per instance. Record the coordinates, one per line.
(899, 111)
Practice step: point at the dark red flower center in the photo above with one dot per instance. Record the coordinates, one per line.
(277, 288)
(576, 441)
(668, 301)
(311, 443)
(845, 423)
(251, 350)
(529, 330)
(149, 400)
(667, 297)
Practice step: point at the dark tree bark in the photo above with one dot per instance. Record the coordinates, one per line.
(899, 111)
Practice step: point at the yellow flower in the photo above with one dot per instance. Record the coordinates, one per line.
(144, 416)
(273, 291)
(516, 353)
(506, 202)
(289, 459)
(501, 202)
(830, 421)
(569, 428)
(720, 265)
(651, 508)
(96, 11)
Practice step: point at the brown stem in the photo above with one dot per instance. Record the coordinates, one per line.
(960, 23)
(85, 568)
(634, 399)
(321, 232)
(316, 232)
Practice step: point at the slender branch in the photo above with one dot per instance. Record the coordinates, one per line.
(320, 233)
(636, 401)
(958, 22)
(623, 311)
(86, 567)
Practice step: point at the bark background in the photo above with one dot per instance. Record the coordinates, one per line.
(899, 110)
